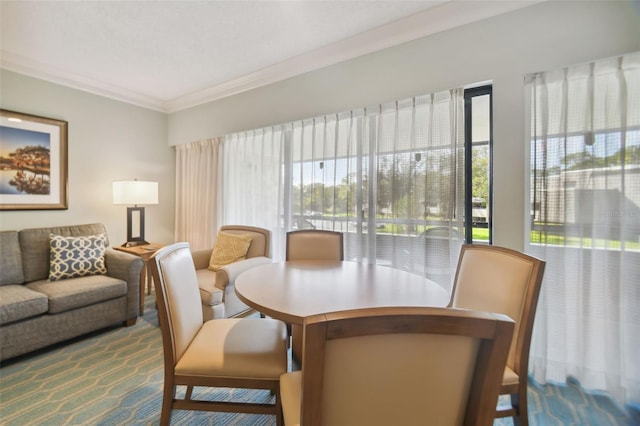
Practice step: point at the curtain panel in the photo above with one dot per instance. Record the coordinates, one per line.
(391, 177)
(251, 188)
(585, 222)
(196, 181)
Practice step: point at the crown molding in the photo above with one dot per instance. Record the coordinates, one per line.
(31, 68)
(444, 16)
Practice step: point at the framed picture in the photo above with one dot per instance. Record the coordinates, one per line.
(33, 162)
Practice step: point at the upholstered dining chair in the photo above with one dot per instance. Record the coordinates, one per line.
(311, 244)
(314, 244)
(233, 352)
(398, 366)
(498, 279)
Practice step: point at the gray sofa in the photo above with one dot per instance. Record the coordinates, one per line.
(36, 312)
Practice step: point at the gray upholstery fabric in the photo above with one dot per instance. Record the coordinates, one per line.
(73, 293)
(126, 267)
(35, 312)
(18, 302)
(25, 336)
(10, 259)
(34, 244)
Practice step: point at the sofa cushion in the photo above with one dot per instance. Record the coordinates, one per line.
(18, 302)
(34, 245)
(10, 259)
(73, 257)
(229, 248)
(72, 293)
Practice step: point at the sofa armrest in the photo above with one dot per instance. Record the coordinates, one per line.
(232, 270)
(201, 257)
(126, 267)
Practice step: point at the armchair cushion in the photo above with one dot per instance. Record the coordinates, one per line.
(217, 289)
(229, 248)
(234, 269)
(213, 283)
(210, 290)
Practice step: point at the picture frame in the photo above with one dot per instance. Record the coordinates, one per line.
(33, 162)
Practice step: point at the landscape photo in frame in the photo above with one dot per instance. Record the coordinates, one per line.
(33, 162)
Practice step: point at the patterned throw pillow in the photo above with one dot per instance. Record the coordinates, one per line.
(229, 248)
(72, 257)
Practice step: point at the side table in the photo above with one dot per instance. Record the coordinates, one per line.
(143, 251)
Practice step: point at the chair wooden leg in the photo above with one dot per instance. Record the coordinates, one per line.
(168, 395)
(188, 393)
(519, 404)
(279, 414)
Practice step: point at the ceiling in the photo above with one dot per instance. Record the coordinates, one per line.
(171, 55)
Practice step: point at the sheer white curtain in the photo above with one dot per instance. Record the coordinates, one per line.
(251, 181)
(196, 182)
(383, 176)
(585, 205)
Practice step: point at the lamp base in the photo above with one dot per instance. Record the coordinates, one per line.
(135, 243)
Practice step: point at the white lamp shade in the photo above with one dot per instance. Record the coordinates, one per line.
(135, 192)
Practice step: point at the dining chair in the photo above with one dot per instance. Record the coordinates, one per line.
(310, 244)
(233, 352)
(398, 366)
(314, 244)
(441, 251)
(498, 279)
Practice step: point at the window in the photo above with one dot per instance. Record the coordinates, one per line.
(391, 177)
(478, 146)
(584, 218)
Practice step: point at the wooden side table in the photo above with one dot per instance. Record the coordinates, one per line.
(144, 252)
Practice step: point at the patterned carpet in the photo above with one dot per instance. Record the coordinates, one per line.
(115, 378)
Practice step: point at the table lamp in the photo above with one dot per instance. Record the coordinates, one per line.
(136, 193)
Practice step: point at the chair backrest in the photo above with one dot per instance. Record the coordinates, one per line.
(441, 251)
(178, 299)
(498, 279)
(260, 239)
(403, 366)
(314, 244)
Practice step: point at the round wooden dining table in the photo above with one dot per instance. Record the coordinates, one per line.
(293, 290)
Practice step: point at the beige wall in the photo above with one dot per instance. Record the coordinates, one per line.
(501, 49)
(108, 140)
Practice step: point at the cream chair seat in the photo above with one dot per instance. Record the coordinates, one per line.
(235, 352)
(217, 288)
(498, 279)
(398, 366)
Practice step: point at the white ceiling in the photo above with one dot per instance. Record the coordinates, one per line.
(170, 55)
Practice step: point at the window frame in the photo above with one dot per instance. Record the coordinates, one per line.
(469, 94)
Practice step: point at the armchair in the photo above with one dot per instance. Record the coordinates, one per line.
(217, 288)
